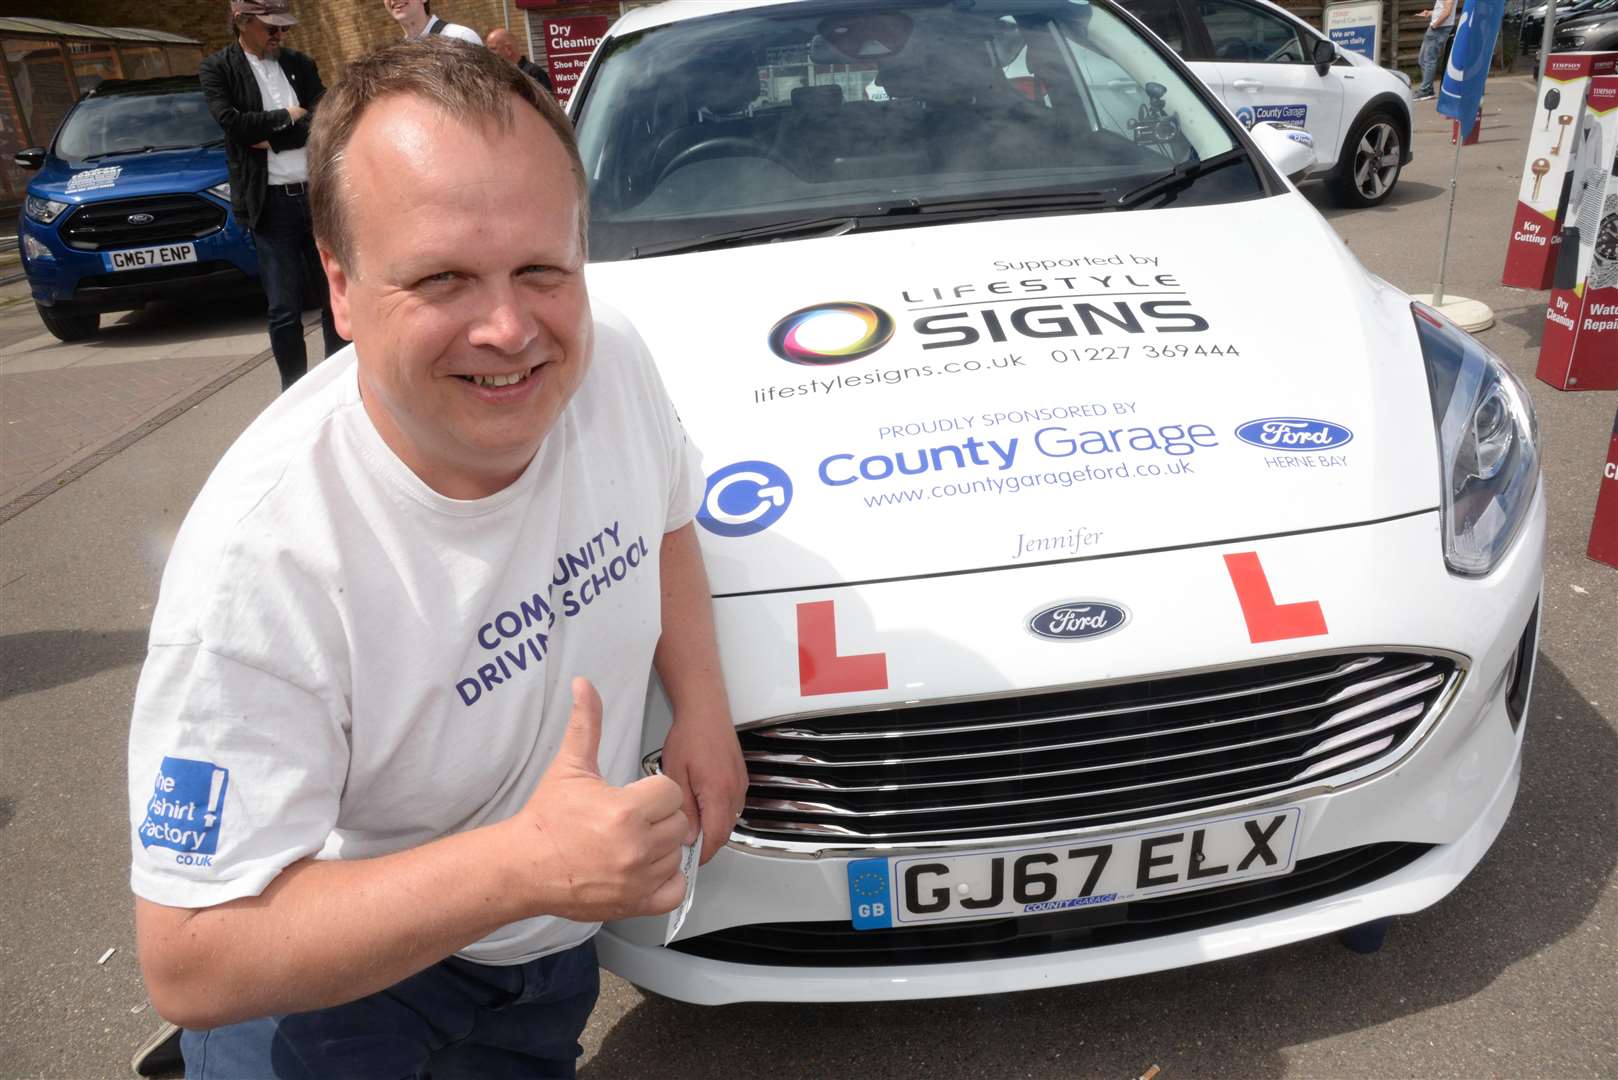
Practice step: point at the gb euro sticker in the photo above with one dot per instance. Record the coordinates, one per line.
(105, 176)
(186, 810)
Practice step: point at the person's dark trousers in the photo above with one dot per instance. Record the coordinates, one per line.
(454, 1021)
(289, 268)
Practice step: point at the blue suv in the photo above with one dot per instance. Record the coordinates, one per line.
(131, 204)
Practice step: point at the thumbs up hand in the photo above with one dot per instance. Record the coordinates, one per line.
(589, 851)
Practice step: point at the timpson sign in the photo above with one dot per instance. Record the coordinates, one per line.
(1542, 199)
(1579, 349)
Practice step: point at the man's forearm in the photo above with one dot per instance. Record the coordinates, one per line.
(325, 932)
(687, 656)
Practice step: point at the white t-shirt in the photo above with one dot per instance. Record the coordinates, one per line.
(1444, 16)
(451, 30)
(345, 663)
(287, 166)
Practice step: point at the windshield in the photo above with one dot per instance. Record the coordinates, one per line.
(126, 123)
(737, 121)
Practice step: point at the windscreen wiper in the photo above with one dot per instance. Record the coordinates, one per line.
(910, 211)
(797, 228)
(1178, 179)
(142, 150)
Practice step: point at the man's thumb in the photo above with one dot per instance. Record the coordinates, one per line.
(581, 745)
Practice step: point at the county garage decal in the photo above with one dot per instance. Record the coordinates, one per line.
(1248, 115)
(745, 498)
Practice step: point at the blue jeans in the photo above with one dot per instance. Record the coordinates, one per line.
(289, 269)
(1432, 51)
(456, 1019)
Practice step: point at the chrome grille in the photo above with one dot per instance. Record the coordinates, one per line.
(1036, 763)
(174, 219)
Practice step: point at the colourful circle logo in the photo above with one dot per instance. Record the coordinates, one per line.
(831, 333)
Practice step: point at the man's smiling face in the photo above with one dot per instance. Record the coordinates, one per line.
(403, 10)
(465, 294)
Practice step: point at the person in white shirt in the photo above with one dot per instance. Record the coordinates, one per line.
(1440, 24)
(416, 19)
(384, 753)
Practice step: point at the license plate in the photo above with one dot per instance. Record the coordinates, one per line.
(995, 882)
(147, 257)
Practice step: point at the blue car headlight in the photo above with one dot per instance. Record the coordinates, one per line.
(43, 210)
(1488, 443)
(221, 191)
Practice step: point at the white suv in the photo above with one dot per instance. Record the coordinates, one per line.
(1266, 64)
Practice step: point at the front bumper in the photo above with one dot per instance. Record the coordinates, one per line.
(1452, 788)
(79, 280)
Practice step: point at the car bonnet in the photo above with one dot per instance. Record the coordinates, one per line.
(130, 175)
(933, 400)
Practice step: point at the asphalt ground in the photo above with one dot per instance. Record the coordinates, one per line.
(1515, 974)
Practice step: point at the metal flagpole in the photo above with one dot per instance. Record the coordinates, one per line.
(1443, 251)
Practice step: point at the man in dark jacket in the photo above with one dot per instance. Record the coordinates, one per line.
(500, 42)
(262, 95)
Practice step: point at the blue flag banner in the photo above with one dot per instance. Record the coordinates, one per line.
(1469, 61)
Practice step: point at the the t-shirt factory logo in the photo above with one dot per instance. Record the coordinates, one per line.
(186, 810)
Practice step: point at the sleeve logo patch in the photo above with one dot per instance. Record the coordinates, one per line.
(186, 809)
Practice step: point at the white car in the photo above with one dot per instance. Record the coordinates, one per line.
(1111, 575)
(1267, 64)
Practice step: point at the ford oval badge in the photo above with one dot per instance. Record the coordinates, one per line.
(1293, 433)
(141, 219)
(1077, 620)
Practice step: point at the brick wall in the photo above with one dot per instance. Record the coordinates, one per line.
(332, 31)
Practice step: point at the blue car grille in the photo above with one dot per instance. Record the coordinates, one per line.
(173, 219)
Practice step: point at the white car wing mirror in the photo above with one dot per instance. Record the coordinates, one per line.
(1289, 147)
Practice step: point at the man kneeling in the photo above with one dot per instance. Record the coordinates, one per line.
(379, 806)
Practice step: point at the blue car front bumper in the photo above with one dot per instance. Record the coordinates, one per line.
(67, 277)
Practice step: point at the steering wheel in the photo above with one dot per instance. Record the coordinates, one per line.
(722, 146)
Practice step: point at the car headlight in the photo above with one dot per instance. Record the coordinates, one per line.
(34, 249)
(221, 191)
(41, 210)
(1488, 443)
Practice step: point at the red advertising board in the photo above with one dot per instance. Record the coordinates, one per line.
(1532, 253)
(1579, 350)
(568, 45)
(1604, 530)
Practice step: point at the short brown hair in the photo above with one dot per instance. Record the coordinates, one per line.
(468, 82)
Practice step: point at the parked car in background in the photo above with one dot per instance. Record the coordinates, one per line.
(131, 204)
(1110, 574)
(1595, 29)
(1267, 64)
(1533, 20)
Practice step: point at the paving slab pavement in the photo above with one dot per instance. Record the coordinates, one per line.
(1510, 976)
(66, 406)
